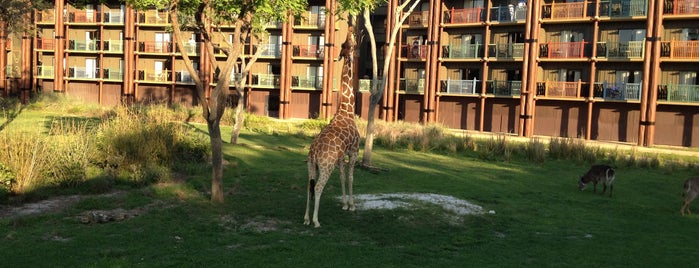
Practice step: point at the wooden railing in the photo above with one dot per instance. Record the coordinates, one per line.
(313, 20)
(412, 85)
(154, 17)
(466, 51)
(154, 76)
(559, 89)
(681, 7)
(623, 8)
(308, 51)
(464, 15)
(562, 50)
(46, 16)
(307, 82)
(509, 13)
(506, 51)
(45, 44)
(266, 80)
(618, 91)
(83, 16)
(678, 93)
(631, 49)
(84, 46)
(44, 71)
(414, 51)
(418, 18)
(154, 47)
(680, 49)
(503, 88)
(465, 87)
(559, 11)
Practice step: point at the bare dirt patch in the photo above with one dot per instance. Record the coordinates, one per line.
(51, 205)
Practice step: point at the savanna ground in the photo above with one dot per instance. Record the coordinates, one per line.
(537, 216)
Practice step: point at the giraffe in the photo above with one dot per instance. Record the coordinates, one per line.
(338, 139)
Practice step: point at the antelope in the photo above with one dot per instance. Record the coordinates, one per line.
(599, 173)
(691, 189)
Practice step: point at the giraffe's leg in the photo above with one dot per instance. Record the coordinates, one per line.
(341, 167)
(311, 177)
(322, 180)
(353, 160)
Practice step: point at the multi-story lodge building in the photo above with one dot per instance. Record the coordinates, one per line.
(609, 70)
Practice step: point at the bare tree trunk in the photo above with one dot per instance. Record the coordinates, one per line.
(238, 117)
(376, 92)
(216, 161)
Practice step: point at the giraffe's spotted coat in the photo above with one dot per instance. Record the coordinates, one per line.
(338, 140)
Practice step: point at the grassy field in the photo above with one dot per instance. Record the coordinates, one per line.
(540, 218)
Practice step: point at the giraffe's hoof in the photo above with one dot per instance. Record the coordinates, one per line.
(306, 222)
(345, 207)
(317, 224)
(352, 208)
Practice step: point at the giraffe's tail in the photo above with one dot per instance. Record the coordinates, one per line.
(312, 188)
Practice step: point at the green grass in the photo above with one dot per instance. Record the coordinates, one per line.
(540, 219)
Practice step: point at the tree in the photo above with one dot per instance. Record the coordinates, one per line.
(376, 91)
(11, 10)
(205, 18)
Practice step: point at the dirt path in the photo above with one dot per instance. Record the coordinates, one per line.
(54, 204)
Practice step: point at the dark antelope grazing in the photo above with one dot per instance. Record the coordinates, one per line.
(598, 173)
(691, 189)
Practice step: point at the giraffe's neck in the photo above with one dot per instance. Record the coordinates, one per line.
(346, 107)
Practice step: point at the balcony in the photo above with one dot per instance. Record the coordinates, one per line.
(412, 85)
(567, 11)
(508, 13)
(470, 51)
(45, 44)
(614, 50)
(464, 15)
(503, 88)
(154, 17)
(311, 20)
(618, 91)
(460, 87)
(307, 82)
(192, 48)
(112, 74)
(114, 46)
(270, 50)
(623, 8)
(680, 49)
(183, 77)
(266, 80)
(83, 16)
(418, 19)
(558, 89)
(506, 51)
(12, 71)
(681, 7)
(83, 73)
(365, 84)
(46, 17)
(154, 75)
(563, 50)
(154, 47)
(44, 71)
(678, 93)
(308, 51)
(418, 52)
(83, 46)
(113, 17)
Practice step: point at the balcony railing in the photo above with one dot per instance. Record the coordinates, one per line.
(412, 85)
(83, 16)
(113, 17)
(44, 71)
(83, 73)
(464, 15)
(154, 17)
(558, 89)
(192, 48)
(184, 77)
(562, 50)
(45, 44)
(266, 80)
(563, 11)
(84, 46)
(618, 91)
(113, 46)
(46, 16)
(506, 51)
(308, 51)
(680, 49)
(154, 76)
(307, 82)
(509, 13)
(112, 74)
(270, 50)
(464, 87)
(312, 20)
(631, 49)
(681, 7)
(504, 88)
(418, 18)
(414, 52)
(155, 47)
(678, 93)
(470, 51)
(622, 8)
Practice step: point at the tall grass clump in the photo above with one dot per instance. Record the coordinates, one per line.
(23, 158)
(136, 147)
(573, 149)
(70, 150)
(497, 147)
(535, 150)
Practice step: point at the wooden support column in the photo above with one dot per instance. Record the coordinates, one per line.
(647, 62)
(655, 76)
(533, 66)
(3, 61)
(128, 47)
(388, 109)
(484, 70)
(59, 48)
(430, 89)
(525, 69)
(283, 78)
(593, 75)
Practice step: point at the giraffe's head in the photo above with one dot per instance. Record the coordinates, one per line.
(348, 46)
